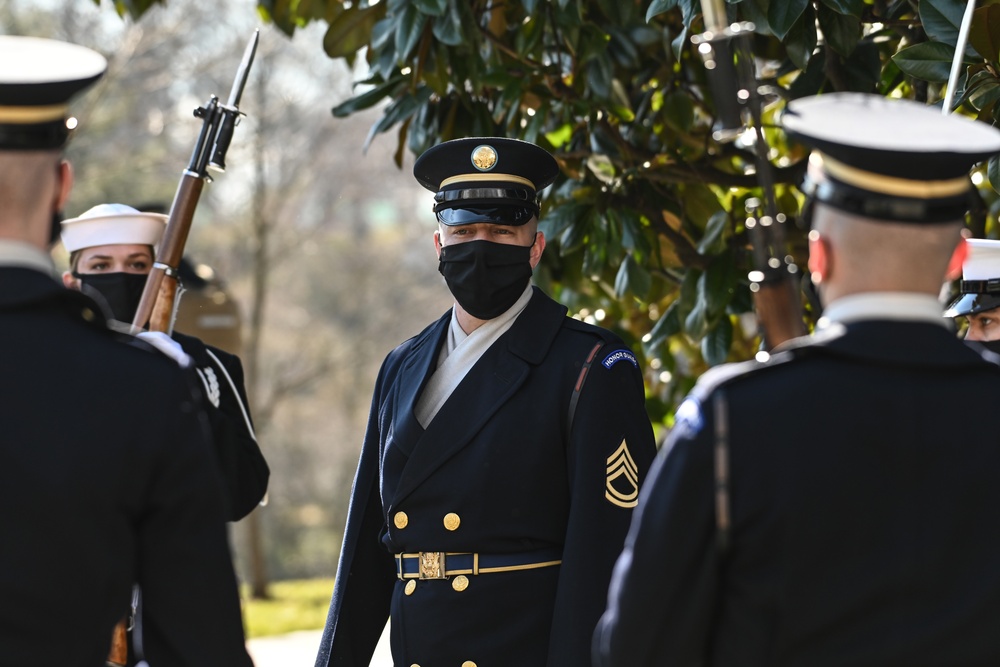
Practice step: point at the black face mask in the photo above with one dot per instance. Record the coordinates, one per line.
(486, 278)
(118, 294)
(991, 345)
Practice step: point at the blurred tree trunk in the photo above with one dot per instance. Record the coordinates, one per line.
(259, 579)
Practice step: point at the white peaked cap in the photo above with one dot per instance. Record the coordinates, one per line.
(983, 262)
(112, 224)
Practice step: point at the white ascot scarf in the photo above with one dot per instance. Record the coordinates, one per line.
(459, 354)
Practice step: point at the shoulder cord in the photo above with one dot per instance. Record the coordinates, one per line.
(722, 514)
(236, 394)
(578, 387)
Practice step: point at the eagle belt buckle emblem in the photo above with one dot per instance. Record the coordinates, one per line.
(432, 565)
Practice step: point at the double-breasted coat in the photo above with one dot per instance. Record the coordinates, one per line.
(503, 472)
(863, 495)
(106, 478)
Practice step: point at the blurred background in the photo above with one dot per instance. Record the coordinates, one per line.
(309, 257)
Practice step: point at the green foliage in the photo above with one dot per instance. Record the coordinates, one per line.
(294, 605)
(645, 221)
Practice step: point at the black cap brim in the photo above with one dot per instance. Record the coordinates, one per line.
(972, 304)
(514, 216)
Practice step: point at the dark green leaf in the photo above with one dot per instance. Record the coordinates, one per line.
(782, 15)
(715, 345)
(668, 325)
(715, 287)
(657, 7)
(448, 28)
(985, 95)
(399, 111)
(408, 31)
(984, 33)
(941, 19)
(846, 7)
(350, 31)
(560, 218)
(712, 242)
(930, 61)
(632, 278)
(993, 172)
(800, 43)
(842, 31)
(368, 99)
(431, 7)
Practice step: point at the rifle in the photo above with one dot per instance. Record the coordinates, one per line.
(726, 52)
(159, 302)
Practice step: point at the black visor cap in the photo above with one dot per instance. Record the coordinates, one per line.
(515, 216)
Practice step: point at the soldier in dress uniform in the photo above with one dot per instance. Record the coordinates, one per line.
(979, 298)
(816, 508)
(106, 475)
(112, 249)
(505, 448)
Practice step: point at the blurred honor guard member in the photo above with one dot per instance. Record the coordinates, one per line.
(504, 451)
(105, 471)
(816, 509)
(111, 250)
(979, 301)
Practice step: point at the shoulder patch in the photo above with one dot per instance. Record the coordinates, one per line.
(619, 355)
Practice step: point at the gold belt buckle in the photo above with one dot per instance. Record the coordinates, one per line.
(431, 565)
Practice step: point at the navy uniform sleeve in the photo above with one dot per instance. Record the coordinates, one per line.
(191, 607)
(610, 450)
(663, 592)
(244, 470)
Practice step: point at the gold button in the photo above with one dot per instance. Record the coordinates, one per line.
(411, 586)
(452, 521)
(460, 583)
(88, 314)
(468, 663)
(400, 520)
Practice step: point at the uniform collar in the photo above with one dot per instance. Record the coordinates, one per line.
(899, 306)
(25, 255)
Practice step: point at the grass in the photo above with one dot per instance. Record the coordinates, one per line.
(294, 605)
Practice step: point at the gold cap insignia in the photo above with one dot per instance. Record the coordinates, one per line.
(484, 157)
(622, 486)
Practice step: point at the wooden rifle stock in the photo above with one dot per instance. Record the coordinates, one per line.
(158, 298)
(118, 655)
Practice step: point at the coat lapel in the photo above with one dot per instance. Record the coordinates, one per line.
(413, 375)
(489, 384)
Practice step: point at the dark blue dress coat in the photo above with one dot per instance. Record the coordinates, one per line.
(863, 496)
(502, 458)
(106, 478)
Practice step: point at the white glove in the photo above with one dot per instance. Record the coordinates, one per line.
(167, 346)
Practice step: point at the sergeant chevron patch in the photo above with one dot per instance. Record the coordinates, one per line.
(622, 486)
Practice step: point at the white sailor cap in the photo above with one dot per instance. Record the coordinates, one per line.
(889, 159)
(980, 285)
(38, 77)
(112, 224)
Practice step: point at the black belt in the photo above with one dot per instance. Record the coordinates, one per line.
(441, 565)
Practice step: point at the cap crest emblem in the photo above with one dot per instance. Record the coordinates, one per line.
(484, 158)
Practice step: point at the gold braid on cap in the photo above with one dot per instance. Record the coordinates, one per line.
(29, 115)
(510, 178)
(889, 185)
